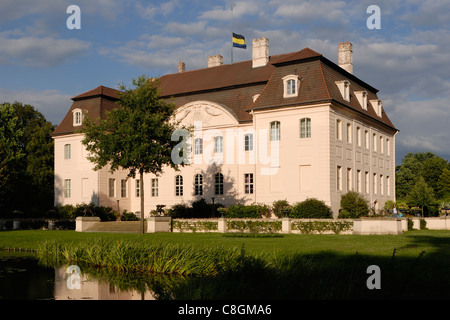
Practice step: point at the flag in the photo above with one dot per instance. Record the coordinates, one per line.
(239, 41)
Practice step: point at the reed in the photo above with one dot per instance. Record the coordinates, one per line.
(132, 256)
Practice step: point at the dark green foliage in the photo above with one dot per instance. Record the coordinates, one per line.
(198, 209)
(247, 211)
(26, 161)
(422, 196)
(311, 208)
(281, 208)
(353, 206)
(89, 210)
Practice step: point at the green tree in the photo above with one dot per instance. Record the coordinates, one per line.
(26, 160)
(136, 136)
(443, 185)
(414, 165)
(421, 195)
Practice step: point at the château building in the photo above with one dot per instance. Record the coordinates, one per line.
(289, 126)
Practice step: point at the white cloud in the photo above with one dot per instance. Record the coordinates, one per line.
(39, 52)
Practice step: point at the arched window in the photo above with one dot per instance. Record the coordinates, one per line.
(305, 128)
(198, 185)
(218, 183)
(77, 117)
(178, 186)
(275, 131)
(291, 85)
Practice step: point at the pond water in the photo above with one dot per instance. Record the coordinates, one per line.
(23, 277)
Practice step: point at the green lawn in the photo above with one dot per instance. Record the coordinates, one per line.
(293, 266)
(409, 244)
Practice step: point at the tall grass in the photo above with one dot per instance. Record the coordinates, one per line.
(132, 256)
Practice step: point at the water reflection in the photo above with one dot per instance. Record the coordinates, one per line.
(23, 277)
(72, 284)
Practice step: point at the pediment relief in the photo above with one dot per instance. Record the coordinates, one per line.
(210, 114)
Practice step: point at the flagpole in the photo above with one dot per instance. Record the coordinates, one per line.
(232, 24)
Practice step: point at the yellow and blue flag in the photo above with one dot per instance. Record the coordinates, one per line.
(239, 41)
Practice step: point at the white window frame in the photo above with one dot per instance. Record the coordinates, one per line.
(275, 131)
(218, 183)
(344, 88)
(198, 184)
(248, 183)
(67, 188)
(138, 188)
(77, 117)
(218, 144)
(305, 128)
(248, 142)
(198, 146)
(179, 186)
(67, 151)
(362, 98)
(291, 85)
(112, 187)
(123, 188)
(155, 187)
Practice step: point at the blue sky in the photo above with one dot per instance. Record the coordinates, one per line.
(43, 63)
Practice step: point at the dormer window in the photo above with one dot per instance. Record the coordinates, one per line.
(77, 117)
(344, 88)
(291, 85)
(377, 106)
(362, 98)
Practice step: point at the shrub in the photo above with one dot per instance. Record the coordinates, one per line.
(251, 211)
(198, 209)
(281, 208)
(353, 206)
(129, 216)
(311, 208)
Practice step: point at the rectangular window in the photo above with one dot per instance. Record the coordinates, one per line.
(275, 133)
(67, 188)
(198, 146)
(349, 179)
(138, 188)
(339, 178)
(305, 128)
(338, 129)
(248, 142)
(381, 145)
(374, 183)
(155, 187)
(358, 136)
(218, 144)
(388, 147)
(349, 133)
(67, 151)
(248, 178)
(366, 182)
(381, 185)
(123, 188)
(374, 142)
(112, 187)
(366, 134)
(358, 181)
(178, 186)
(388, 185)
(198, 185)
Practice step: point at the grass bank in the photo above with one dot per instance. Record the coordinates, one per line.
(413, 265)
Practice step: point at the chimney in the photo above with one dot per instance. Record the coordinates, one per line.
(215, 61)
(260, 52)
(346, 56)
(181, 67)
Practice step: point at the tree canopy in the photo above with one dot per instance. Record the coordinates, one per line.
(26, 160)
(136, 136)
(423, 164)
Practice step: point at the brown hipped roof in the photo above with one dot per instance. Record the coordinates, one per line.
(234, 86)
